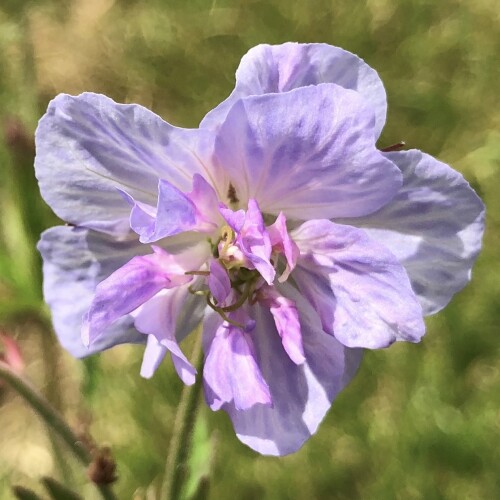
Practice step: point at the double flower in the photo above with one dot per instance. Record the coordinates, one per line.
(277, 224)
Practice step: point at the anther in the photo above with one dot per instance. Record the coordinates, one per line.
(231, 195)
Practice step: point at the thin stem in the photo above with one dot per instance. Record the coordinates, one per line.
(52, 418)
(46, 411)
(180, 443)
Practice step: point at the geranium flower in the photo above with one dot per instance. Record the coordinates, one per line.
(277, 224)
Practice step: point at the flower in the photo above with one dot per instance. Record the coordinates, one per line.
(278, 224)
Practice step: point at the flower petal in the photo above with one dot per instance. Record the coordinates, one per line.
(129, 287)
(231, 372)
(75, 260)
(252, 237)
(360, 290)
(301, 394)
(87, 146)
(281, 242)
(286, 320)
(176, 212)
(158, 317)
(309, 152)
(153, 356)
(234, 218)
(219, 282)
(269, 69)
(434, 226)
(255, 242)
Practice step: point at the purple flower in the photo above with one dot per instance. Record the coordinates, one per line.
(277, 224)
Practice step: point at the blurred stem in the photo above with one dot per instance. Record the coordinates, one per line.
(65, 472)
(182, 434)
(52, 392)
(52, 418)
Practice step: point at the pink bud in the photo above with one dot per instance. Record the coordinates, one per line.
(10, 353)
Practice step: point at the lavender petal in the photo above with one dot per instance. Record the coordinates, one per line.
(308, 153)
(360, 290)
(75, 260)
(269, 69)
(88, 146)
(434, 226)
(231, 373)
(301, 394)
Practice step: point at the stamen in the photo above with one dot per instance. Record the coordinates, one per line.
(223, 314)
(197, 292)
(227, 234)
(197, 273)
(244, 296)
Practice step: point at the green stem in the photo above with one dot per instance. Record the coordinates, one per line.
(52, 418)
(180, 442)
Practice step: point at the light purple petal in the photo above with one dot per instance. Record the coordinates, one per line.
(255, 243)
(281, 242)
(234, 218)
(75, 260)
(252, 237)
(219, 282)
(309, 153)
(434, 226)
(153, 356)
(360, 290)
(231, 372)
(205, 199)
(158, 317)
(286, 320)
(129, 287)
(142, 215)
(88, 146)
(176, 212)
(301, 394)
(279, 68)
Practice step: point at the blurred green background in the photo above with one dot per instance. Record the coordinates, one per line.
(418, 421)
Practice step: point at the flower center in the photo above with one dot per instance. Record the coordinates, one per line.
(239, 284)
(245, 257)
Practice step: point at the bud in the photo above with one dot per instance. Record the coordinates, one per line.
(10, 354)
(102, 469)
(17, 137)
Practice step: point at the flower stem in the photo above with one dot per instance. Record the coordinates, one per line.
(180, 443)
(52, 418)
